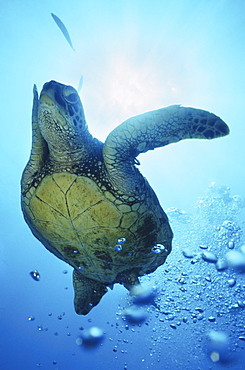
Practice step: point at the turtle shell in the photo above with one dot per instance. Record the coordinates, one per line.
(94, 231)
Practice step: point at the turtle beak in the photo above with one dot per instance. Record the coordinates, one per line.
(47, 95)
(53, 91)
(50, 113)
(52, 86)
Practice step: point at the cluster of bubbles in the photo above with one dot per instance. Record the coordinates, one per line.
(141, 296)
(228, 231)
(234, 258)
(218, 204)
(212, 237)
(119, 245)
(178, 215)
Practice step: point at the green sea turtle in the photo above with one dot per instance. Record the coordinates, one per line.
(88, 203)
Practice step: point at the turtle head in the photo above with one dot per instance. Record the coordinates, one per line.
(61, 120)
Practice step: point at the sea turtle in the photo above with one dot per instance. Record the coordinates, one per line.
(88, 203)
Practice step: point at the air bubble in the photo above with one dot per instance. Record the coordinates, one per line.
(187, 253)
(231, 245)
(143, 295)
(158, 248)
(155, 250)
(221, 265)
(203, 246)
(91, 338)
(209, 257)
(35, 275)
(231, 282)
(134, 315)
(218, 346)
(236, 259)
(121, 240)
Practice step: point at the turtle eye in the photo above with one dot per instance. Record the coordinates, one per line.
(70, 94)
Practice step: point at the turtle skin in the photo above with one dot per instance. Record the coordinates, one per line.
(87, 202)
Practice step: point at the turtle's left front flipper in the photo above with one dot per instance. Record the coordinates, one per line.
(39, 150)
(152, 130)
(88, 293)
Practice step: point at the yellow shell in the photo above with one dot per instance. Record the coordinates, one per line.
(71, 215)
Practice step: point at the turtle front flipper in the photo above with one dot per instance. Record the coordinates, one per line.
(88, 293)
(39, 150)
(152, 130)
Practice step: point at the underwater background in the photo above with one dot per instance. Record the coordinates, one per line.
(134, 56)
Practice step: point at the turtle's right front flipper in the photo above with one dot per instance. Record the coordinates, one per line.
(88, 293)
(152, 130)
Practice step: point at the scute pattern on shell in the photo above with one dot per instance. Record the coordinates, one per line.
(83, 223)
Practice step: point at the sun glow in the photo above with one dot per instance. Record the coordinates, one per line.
(131, 88)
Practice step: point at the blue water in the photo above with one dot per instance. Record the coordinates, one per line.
(134, 56)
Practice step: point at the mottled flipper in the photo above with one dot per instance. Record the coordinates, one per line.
(39, 150)
(152, 130)
(88, 293)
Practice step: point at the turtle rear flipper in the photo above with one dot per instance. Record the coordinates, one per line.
(88, 293)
